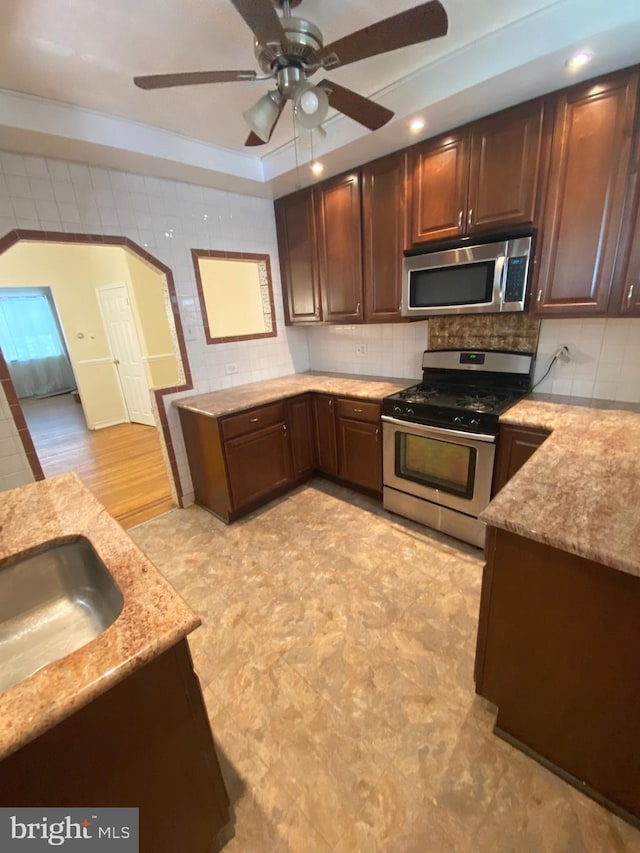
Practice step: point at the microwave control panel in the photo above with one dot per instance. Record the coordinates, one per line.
(516, 279)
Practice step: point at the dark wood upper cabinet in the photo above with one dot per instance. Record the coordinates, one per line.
(439, 176)
(507, 156)
(626, 288)
(340, 248)
(585, 197)
(297, 248)
(383, 236)
(482, 177)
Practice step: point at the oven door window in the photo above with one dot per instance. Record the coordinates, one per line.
(442, 465)
(463, 284)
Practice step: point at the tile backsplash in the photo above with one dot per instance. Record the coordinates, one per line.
(516, 332)
(373, 349)
(604, 358)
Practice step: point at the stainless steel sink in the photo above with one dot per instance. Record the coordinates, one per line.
(52, 602)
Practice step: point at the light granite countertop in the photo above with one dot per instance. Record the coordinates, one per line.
(580, 491)
(154, 617)
(225, 402)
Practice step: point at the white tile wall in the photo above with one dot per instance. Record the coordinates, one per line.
(169, 219)
(14, 468)
(391, 349)
(605, 358)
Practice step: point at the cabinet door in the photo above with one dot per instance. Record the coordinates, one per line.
(626, 292)
(340, 248)
(583, 210)
(515, 446)
(360, 454)
(296, 227)
(439, 178)
(504, 169)
(325, 434)
(258, 464)
(383, 236)
(300, 422)
(631, 288)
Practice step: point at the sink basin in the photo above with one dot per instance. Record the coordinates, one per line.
(52, 602)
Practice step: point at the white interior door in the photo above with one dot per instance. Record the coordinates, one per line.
(125, 346)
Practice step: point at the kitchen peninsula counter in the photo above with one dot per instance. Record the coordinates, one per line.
(580, 491)
(558, 631)
(153, 619)
(230, 400)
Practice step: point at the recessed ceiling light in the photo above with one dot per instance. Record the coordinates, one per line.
(578, 60)
(416, 125)
(317, 168)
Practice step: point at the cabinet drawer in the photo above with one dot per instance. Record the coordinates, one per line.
(253, 419)
(358, 410)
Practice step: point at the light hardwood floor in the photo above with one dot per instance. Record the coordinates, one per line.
(122, 465)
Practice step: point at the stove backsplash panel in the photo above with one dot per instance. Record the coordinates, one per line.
(515, 332)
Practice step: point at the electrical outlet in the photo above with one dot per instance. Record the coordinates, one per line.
(361, 349)
(563, 354)
(231, 367)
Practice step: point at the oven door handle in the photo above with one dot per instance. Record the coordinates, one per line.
(423, 429)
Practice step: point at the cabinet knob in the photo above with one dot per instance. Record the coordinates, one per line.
(330, 404)
(284, 427)
(470, 218)
(539, 299)
(254, 420)
(377, 433)
(358, 411)
(358, 308)
(630, 293)
(460, 215)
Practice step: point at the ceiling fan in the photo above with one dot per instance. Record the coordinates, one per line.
(290, 50)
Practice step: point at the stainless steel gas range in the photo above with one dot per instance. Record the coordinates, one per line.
(439, 437)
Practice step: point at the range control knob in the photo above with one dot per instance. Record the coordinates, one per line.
(397, 410)
(457, 419)
(410, 412)
(475, 422)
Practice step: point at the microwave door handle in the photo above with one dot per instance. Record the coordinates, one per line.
(499, 281)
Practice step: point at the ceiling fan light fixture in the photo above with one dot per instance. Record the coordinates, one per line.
(310, 105)
(317, 168)
(416, 125)
(262, 116)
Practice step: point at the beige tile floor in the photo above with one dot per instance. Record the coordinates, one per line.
(336, 659)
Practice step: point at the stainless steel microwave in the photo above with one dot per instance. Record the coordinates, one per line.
(488, 278)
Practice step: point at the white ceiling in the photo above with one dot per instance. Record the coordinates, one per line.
(66, 69)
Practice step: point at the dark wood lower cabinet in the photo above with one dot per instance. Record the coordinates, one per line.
(146, 744)
(325, 434)
(515, 446)
(359, 444)
(258, 465)
(242, 460)
(558, 645)
(300, 422)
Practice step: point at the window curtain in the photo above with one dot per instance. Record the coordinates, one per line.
(32, 343)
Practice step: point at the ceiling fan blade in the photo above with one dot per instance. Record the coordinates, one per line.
(253, 138)
(357, 107)
(192, 78)
(262, 19)
(422, 23)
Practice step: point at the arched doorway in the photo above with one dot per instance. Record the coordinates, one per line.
(158, 388)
